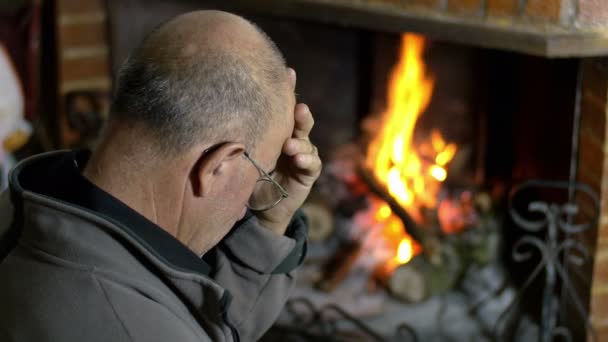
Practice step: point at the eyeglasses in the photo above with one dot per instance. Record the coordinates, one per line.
(267, 192)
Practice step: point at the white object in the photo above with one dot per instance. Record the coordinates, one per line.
(12, 105)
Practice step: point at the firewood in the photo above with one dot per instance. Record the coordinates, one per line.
(320, 220)
(338, 266)
(409, 283)
(410, 225)
(417, 280)
(483, 202)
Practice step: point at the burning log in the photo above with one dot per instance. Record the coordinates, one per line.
(417, 280)
(410, 225)
(409, 282)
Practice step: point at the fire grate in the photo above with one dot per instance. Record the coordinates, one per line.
(329, 323)
(555, 251)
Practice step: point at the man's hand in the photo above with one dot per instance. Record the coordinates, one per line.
(297, 169)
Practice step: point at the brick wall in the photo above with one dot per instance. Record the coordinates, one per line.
(578, 14)
(82, 57)
(502, 8)
(593, 170)
(593, 12)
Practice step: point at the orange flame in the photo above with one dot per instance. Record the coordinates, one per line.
(405, 251)
(412, 175)
(394, 233)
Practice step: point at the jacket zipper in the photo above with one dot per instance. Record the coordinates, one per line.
(235, 333)
(224, 303)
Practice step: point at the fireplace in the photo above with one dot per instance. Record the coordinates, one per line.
(488, 112)
(516, 115)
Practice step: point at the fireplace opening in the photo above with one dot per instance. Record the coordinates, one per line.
(412, 212)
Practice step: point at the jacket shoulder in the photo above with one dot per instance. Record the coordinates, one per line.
(72, 303)
(146, 319)
(45, 302)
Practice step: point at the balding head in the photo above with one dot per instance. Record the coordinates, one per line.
(205, 76)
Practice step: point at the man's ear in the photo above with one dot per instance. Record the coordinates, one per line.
(215, 163)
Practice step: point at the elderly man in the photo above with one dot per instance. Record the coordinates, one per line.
(182, 224)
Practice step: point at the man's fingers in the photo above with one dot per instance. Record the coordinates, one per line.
(294, 146)
(304, 155)
(310, 163)
(303, 121)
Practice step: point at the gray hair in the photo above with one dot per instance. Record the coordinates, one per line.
(209, 96)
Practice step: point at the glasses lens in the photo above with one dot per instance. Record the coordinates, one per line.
(265, 195)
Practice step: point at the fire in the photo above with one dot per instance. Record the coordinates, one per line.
(394, 234)
(411, 174)
(405, 251)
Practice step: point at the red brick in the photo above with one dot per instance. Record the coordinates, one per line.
(82, 35)
(599, 311)
(595, 72)
(588, 209)
(84, 68)
(593, 12)
(425, 3)
(593, 120)
(503, 7)
(80, 6)
(587, 176)
(465, 6)
(595, 83)
(391, 2)
(600, 275)
(591, 156)
(604, 200)
(601, 334)
(407, 3)
(545, 10)
(594, 97)
(593, 180)
(594, 102)
(602, 239)
(599, 306)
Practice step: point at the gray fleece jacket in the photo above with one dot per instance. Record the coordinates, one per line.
(69, 272)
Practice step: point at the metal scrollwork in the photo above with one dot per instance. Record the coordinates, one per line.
(556, 248)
